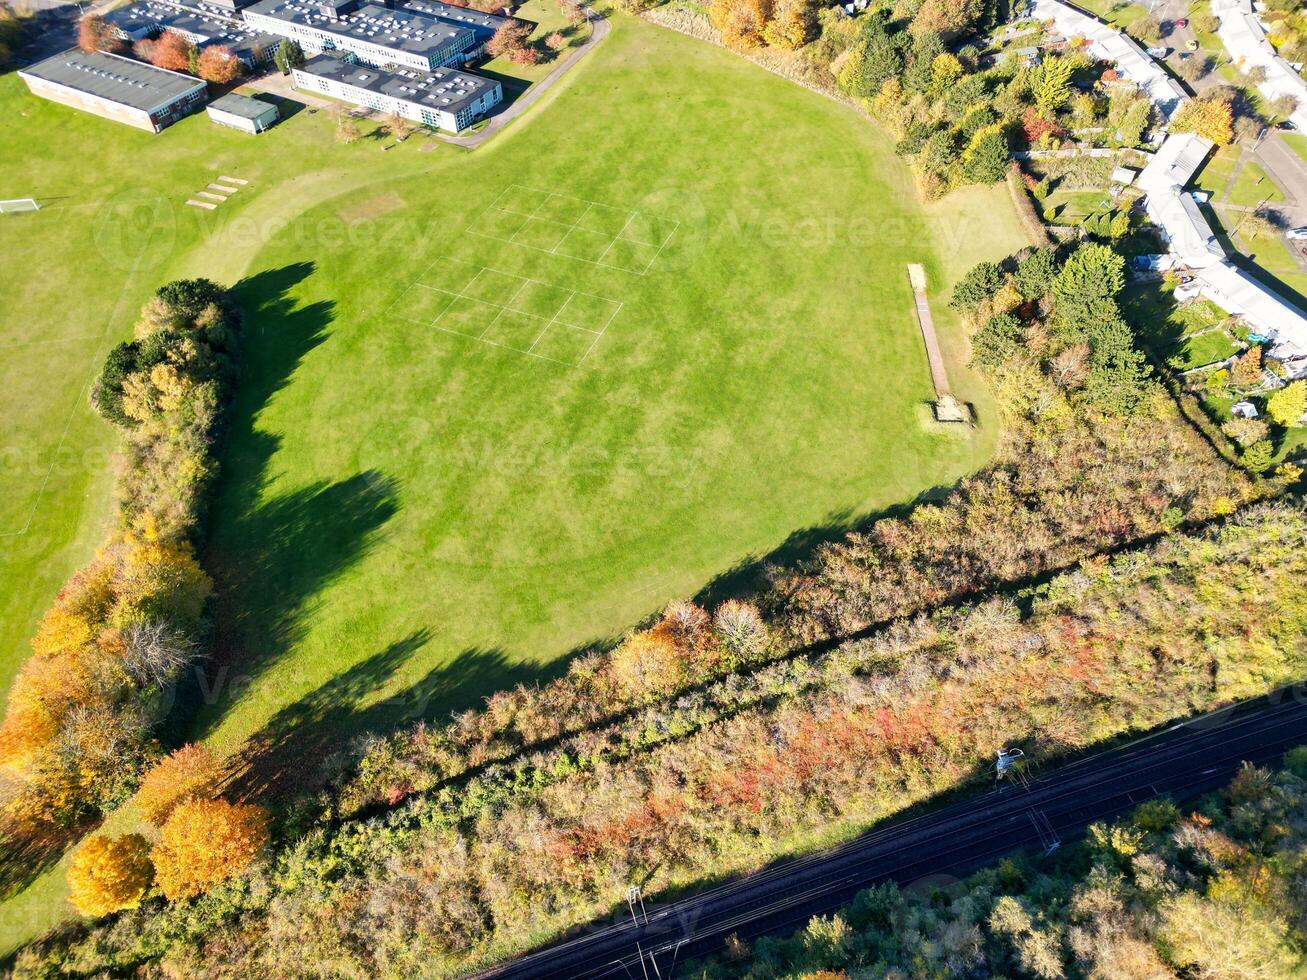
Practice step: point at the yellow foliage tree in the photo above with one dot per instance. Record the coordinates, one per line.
(793, 26)
(205, 842)
(1210, 118)
(741, 22)
(108, 874)
(648, 662)
(189, 773)
(160, 580)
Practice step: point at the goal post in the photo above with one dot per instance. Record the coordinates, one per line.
(19, 204)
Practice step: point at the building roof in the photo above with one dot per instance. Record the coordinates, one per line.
(442, 89)
(1193, 243)
(115, 78)
(203, 24)
(399, 30)
(1109, 44)
(482, 24)
(242, 105)
(1243, 36)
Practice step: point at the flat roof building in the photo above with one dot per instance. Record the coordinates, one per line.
(202, 24)
(374, 34)
(481, 24)
(115, 87)
(443, 97)
(243, 113)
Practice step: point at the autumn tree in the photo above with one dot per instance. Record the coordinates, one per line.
(1247, 368)
(510, 36)
(218, 65)
(172, 51)
(526, 55)
(741, 22)
(648, 662)
(793, 26)
(95, 34)
(555, 41)
(189, 773)
(1288, 405)
(1211, 118)
(108, 874)
(205, 842)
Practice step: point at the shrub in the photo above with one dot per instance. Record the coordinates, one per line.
(108, 874)
(1287, 405)
(205, 842)
(191, 772)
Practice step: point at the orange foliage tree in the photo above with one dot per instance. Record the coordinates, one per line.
(109, 873)
(189, 773)
(218, 65)
(95, 34)
(741, 22)
(172, 51)
(205, 842)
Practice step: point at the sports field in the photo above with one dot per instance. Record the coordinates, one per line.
(498, 405)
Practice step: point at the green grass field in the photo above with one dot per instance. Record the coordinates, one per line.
(699, 352)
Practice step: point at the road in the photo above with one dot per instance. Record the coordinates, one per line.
(1183, 760)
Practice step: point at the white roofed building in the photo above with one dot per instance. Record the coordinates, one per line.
(1245, 38)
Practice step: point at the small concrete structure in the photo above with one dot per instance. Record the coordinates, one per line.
(947, 408)
(243, 113)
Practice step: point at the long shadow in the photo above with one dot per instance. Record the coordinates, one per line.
(270, 556)
(1148, 309)
(301, 746)
(749, 575)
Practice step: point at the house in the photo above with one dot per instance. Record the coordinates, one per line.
(116, 88)
(243, 113)
(373, 34)
(1245, 38)
(202, 24)
(1108, 44)
(442, 97)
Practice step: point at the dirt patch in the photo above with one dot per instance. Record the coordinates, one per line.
(373, 207)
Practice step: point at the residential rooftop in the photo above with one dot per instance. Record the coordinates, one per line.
(400, 30)
(113, 77)
(445, 89)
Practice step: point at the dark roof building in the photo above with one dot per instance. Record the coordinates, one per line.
(201, 23)
(115, 87)
(481, 24)
(374, 34)
(443, 97)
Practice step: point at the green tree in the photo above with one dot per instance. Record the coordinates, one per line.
(1036, 272)
(288, 55)
(986, 159)
(1049, 85)
(996, 341)
(1086, 288)
(979, 284)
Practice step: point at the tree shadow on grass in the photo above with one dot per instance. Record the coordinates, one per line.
(306, 742)
(270, 557)
(753, 573)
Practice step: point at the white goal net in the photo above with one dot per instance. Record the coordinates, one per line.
(19, 204)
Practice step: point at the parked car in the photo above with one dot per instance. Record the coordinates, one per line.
(1182, 22)
(1287, 125)
(1158, 53)
(1298, 234)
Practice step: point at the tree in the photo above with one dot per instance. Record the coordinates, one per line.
(1049, 85)
(873, 61)
(1087, 287)
(172, 51)
(1287, 406)
(996, 341)
(1120, 225)
(647, 662)
(979, 283)
(741, 22)
(1226, 939)
(1145, 28)
(555, 41)
(1246, 431)
(793, 26)
(986, 159)
(508, 37)
(218, 65)
(1036, 272)
(1211, 118)
(205, 842)
(527, 55)
(288, 55)
(189, 773)
(1247, 369)
(108, 874)
(399, 127)
(946, 17)
(1130, 130)
(95, 34)
(347, 128)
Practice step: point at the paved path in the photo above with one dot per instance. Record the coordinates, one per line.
(1182, 761)
(934, 356)
(598, 31)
